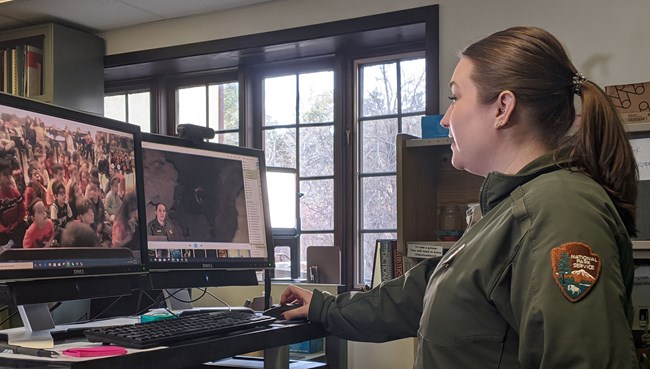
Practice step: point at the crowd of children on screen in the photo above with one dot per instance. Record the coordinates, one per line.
(61, 185)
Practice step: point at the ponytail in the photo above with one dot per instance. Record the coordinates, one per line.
(602, 150)
(533, 64)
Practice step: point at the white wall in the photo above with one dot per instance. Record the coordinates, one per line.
(607, 39)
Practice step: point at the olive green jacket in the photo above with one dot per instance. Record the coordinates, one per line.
(501, 297)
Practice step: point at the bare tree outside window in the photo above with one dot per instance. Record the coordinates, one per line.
(391, 101)
(299, 134)
(214, 105)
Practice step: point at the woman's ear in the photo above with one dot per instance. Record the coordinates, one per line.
(505, 105)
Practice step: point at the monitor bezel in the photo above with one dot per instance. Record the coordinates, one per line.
(64, 273)
(232, 264)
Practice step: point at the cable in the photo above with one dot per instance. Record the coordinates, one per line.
(220, 300)
(9, 317)
(103, 311)
(54, 306)
(155, 302)
(205, 290)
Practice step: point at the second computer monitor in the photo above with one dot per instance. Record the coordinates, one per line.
(206, 210)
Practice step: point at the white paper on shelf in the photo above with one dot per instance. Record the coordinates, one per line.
(424, 249)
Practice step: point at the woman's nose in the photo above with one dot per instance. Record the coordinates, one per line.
(445, 119)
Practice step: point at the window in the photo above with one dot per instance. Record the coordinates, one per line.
(214, 105)
(130, 107)
(298, 136)
(324, 113)
(390, 100)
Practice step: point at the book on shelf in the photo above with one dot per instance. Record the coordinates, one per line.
(398, 262)
(18, 59)
(388, 263)
(6, 56)
(2, 71)
(33, 71)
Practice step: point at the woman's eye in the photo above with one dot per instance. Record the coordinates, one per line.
(452, 98)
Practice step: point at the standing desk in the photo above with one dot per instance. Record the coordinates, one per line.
(191, 354)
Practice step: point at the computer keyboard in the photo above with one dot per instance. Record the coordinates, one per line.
(169, 331)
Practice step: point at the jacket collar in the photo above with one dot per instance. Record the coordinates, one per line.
(497, 186)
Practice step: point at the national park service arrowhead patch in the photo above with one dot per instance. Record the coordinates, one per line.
(575, 269)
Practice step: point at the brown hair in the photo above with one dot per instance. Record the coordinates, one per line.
(533, 65)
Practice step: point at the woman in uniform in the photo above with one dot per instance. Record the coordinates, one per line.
(544, 278)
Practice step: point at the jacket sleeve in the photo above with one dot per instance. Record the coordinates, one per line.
(388, 312)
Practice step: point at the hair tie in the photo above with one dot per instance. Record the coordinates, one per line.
(578, 80)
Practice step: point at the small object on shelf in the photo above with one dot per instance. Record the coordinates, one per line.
(450, 223)
(632, 101)
(431, 126)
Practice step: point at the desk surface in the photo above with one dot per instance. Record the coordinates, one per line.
(186, 354)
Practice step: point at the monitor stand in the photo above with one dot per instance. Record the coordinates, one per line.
(38, 323)
(173, 298)
(39, 330)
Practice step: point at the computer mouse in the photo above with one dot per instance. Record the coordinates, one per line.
(276, 310)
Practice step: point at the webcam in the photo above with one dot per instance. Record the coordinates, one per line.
(194, 132)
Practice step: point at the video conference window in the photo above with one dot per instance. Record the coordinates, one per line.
(201, 205)
(64, 183)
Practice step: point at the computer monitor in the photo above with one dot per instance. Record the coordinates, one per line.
(206, 213)
(71, 256)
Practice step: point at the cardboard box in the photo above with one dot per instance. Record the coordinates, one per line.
(637, 117)
(632, 101)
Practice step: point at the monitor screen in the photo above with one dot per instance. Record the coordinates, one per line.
(60, 219)
(206, 206)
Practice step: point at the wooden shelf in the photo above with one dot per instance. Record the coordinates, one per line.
(425, 181)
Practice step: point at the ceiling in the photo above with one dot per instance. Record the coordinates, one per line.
(103, 15)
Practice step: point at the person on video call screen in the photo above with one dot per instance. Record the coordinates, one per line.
(205, 195)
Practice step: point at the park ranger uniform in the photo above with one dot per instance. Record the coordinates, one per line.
(542, 280)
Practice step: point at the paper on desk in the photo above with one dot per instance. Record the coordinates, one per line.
(100, 323)
(65, 346)
(35, 339)
(43, 339)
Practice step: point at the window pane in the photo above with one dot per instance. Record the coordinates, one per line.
(317, 205)
(280, 100)
(282, 262)
(224, 106)
(367, 258)
(115, 107)
(413, 85)
(191, 105)
(412, 126)
(227, 138)
(378, 145)
(379, 202)
(379, 89)
(316, 151)
(140, 110)
(280, 147)
(312, 239)
(316, 97)
(281, 188)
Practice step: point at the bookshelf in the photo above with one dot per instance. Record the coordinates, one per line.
(71, 72)
(426, 180)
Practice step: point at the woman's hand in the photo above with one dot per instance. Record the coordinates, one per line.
(299, 296)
